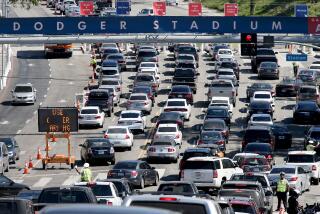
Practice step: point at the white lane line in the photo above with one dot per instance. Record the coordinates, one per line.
(42, 182)
(18, 181)
(71, 180)
(28, 121)
(30, 64)
(101, 176)
(48, 88)
(50, 74)
(40, 103)
(49, 81)
(161, 172)
(5, 122)
(22, 152)
(45, 96)
(18, 132)
(62, 101)
(34, 112)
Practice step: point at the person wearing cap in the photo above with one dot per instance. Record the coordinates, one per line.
(282, 190)
(293, 203)
(85, 173)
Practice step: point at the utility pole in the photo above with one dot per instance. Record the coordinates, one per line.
(251, 7)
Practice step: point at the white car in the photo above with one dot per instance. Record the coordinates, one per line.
(146, 12)
(91, 115)
(260, 120)
(65, 4)
(223, 58)
(221, 101)
(105, 192)
(149, 65)
(186, 58)
(263, 96)
(134, 119)
(239, 157)
(110, 72)
(227, 74)
(72, 11)
(168, 131)
(178, 105)
(208, 171)
(222, 53)
(308, 160)
(113, 92)
(119, 136)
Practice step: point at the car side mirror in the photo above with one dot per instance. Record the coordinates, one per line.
(268, 193)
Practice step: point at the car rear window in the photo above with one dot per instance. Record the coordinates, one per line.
(141, 90)
(303, 158)
(285, 170)
(64, 197)
(217, 112)
(180, 89)
(109, 71)
(185, 65)
(117, 131)
(144, 78)
(184, 72)
(210, 136)
(262, 96)
(225, 73)
(258, 178)
(129, 115)
(265, 52)
(213, 125)
(138, 97)
(167, 129)
(261, 119)
(115, 57)
(252, 147)
(109, 82)
(101, 190)
(185, 57)
(185, 188)
(160, 143)
(176, 103)
(255, 161)
(89, 111)
(200, 165)
(125, 165)
(183, 208)
(259, 135)
(147, 65)
(147, 54)
(222, 85)
(98, 95)
(243, 208)
(307, 90)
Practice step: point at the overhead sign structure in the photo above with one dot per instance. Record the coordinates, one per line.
(301, 10)
(195, 9)
(159, 8)
(158, 24)
(296, 57)
(231, 9)
(123, 7)
(58, 119)
(86, 8)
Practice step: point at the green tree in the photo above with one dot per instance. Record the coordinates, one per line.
(24, 3)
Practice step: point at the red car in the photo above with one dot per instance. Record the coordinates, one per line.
(182, 91)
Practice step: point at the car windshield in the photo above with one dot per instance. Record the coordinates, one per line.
(255, 161)
(89, 111)
(147, 54)
(315, 135)
(268, 65)
(144, 78)
(185, 65)
(217, 112)
(147, 65)
(185, 188)
(117, 131)
(277, 170)
(109, 71)
(23, 89)
(260, 105)
(310, 106)
(110, 50)
(180, 89)
(109, 82)
(99, 143)
(261, 86)
(213, 125)
(307, 90)
(125, 165)
(187, 155)
(225, 73)
(303, 158)
(184, 208)
(167, 129)
(65, 196)
(4, 180)
(175, 103)
(144, 90)
(185, 57)
(160, 143)
(138, 97)
(184, 72)
(261, 119)
(257, 135)
(130, 115)
(243, 208)
(260, 179)
(210, 136)
(222, 85)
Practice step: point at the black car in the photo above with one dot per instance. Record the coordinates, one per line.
(13, 148)
(306, 112)
(261, 149)
(288, 87)
(259, 87)
(97, 149)
(179, 187)
(261, 134)
(16, 206)
(231, 65)
(145, 90)
(268, 70)
(219, 113)
(139, 173)
(263, 55)
(171, 118)
(313, 134)
(185, 77)
(187, 49)
(123, 186)
(282, 136)
(259, 107)
(213, 137)
(31, 195)
(101, 98)
(195, 152)
(9, 188)
(182, 91)
(216, 125)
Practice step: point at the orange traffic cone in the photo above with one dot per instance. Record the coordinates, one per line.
(53, 139)
(26, 169)
(39, 156)
(30, 164)
(48, 149)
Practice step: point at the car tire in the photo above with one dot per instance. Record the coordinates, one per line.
(315, 181)
(156, 181)
(141, 186)
(109, 113)
(129, 148)
(113, 161)
(175, 160)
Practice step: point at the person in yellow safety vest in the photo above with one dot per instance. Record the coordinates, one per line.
(85, 173)
(93, 63)
(282, 190)
(311, 146)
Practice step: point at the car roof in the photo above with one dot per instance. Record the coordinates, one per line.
(138, 94)
(251, 174)
(245, 154)
(131, 161)
(114, 127)
(218, 107)
(177, 182)
(176, 99)
(24, 84)
(262, 92)
(131, 111)
(220, 98)
(168, 125)
(243, 182)
(197, 149)
(284, 166)
(260, 115)
(90, 107)
(95, 183)
(301, 153)
(258, 128)
(203, 158)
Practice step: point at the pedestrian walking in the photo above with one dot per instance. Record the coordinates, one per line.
(85, 173)
(282, 190)
(93, 63)
(295, 68)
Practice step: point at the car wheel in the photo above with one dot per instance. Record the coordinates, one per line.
(175, 160)
(141, 183)
(315, 181)
(101, 125)
(109, 113)
(113, 161)
(129, 148)
(156, 181)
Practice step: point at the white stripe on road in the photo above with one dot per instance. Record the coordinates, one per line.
(101, 176)
(18, 181)
(42, 182)
(161, 172)
(22, 152)
(71, 180)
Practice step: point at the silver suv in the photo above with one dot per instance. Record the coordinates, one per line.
(24, 93)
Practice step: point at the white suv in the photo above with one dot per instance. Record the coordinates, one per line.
(309, 160)
(208, 171)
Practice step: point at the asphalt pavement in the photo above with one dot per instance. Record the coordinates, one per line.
(57, 81)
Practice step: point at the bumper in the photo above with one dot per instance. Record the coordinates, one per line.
(140, 108)
(136, 127)
(120, 143)
(21, 100)
(162, 156)
(101, 157)
(89, 122)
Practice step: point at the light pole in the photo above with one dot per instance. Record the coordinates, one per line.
(251, 7)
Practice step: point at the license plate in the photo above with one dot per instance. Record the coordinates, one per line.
(281, 137)
(116, 142)
(198, 174)
(306, 113)
(88, 118)
(100, 152)
(256, 169)
(180, 95)
(121, 174)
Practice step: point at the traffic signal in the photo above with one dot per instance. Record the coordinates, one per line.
(248, 44)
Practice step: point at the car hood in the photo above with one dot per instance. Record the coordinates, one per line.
(23, 94)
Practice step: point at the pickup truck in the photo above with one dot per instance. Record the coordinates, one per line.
(185, 76)
(263, 55)
(222, 88)
(60, 195)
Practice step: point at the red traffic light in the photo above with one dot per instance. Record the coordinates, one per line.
(248, 38)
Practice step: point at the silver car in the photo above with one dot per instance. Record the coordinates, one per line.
(24, 93)
(134, 119)
(164, 149)
(119, 136)
(4, 158)
(139, 101)
(297, 177)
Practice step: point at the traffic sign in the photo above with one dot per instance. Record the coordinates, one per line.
(231, 9)
(123, 7)
(195, 9)
(86, 8)
(159, 8)
(301, 10)
(296, 57)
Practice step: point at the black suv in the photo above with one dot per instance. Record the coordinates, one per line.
(101, 98)
(185, 76)
(258, 134)
(263, 55)
(259, 107)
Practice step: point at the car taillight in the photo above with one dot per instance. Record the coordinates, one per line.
(225, 133)
(152, 149)
(200, 142)
(167, 199)
(181, 174)
(118, 88)
(177, 136)
(273, 93)
(134, 174)
(314, 168)
(80, 117)
(109, 203)
(106, 136)
(189, 95)
(171, 149)
(221, 142)
(109, 174)
(145, 103)
(154, 85)
(127, 136)
(215, 174)
(269, 157)
(97, 117)
(294, 179)
(179, 123)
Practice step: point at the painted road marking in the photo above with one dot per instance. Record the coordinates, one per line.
(19, 131)
(22, 152)
(62, 101)
(42, 182)
(71, 180)
(30, 64)
(101, 176)
(161, 172)
(5, 122)
(18, 181)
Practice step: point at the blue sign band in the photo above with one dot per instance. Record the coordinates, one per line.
(296, 57)
(152, 24)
